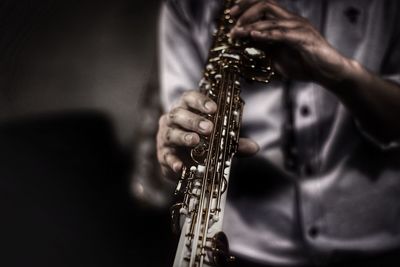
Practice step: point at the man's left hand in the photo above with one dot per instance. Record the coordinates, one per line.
(300, 52)
(297, 49)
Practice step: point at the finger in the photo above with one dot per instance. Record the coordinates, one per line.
(293, 37)
(241, 6)
(265, 25)
(261, 11)
(273, 24)
(168, 173)
(247, 147)
(190, 121)
(197, 101)
(168, 159)
(178, 137)
(279, 69)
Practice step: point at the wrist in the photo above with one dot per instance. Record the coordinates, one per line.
(343, 75)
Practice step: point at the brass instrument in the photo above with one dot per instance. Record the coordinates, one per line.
(204, 182)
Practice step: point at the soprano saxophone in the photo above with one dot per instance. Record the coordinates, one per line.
(204, 181)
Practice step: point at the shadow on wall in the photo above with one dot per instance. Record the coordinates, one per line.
(64, 198)
(72, 76)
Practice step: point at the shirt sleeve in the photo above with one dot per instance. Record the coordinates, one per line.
(391, 64)
(383, 145)
(390, 71)
(179, 60)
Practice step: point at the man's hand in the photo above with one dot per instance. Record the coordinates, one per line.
(298, 50)
(181, 128)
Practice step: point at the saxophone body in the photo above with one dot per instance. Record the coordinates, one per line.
(204, 181)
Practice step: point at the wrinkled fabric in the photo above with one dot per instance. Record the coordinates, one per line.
(345, 199)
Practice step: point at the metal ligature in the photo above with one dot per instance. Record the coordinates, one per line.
(204, 181)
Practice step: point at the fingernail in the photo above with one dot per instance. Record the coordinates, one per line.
(205, 125)
(188, 138)
(209, 105)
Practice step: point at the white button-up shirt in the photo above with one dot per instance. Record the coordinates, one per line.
(344, 196)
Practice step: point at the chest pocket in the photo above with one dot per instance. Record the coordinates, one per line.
(346, 25)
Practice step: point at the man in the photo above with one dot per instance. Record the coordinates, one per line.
(323, 187)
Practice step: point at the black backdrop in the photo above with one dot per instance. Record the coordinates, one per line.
(72, 77)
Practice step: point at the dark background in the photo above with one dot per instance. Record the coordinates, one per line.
(78, 102)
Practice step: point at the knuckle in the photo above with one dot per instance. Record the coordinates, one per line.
(184, 98)
(166, 156)
(161, 120)
(282, 30)
(160, 137)
(193, 123)
(159, 140)
(250, 27)
(168, 135)
(173, 114)
(265, 4)
(187, 96)
(201, 101)
(274, 32)
(160, 156)
(274, 22)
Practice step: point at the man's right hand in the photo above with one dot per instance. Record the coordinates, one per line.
(180, 129)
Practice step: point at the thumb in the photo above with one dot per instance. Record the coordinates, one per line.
(247, 147)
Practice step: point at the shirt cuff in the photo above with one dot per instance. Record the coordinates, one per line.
(383, 145)
(393, 78)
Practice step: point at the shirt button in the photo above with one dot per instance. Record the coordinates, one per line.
(313, 231)
(304, 111)
(352, 14)
(307, 169)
